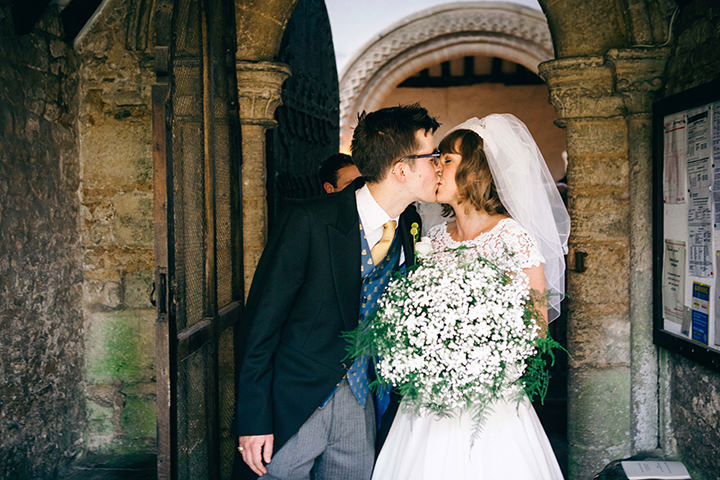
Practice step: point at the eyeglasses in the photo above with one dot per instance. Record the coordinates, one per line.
(433, 157)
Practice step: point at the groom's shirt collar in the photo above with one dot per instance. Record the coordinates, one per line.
(372, 216)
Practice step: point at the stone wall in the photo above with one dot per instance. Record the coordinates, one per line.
(695, 390)
(117, 235)
(41, 341)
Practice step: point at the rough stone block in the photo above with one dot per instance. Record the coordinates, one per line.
(101, 294)
(584, 348)
(110, 263)
(603, 137)
(99, 432)
(600, 215)
(97, 216)
(132, 223)
(695, 409)
(597, 171)
(143, 389)
(32, 51)
(58, 48)
(96, 411)
(138, 417)
(137, 288)
(116, 154)
(120, 345)
(605, 280)
(106, 395)
(599, 414)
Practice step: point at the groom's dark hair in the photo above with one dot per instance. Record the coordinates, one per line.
(385, 136)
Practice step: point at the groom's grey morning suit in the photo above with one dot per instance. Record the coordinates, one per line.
(307, 290)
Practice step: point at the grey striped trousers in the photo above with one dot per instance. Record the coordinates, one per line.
(337, 442)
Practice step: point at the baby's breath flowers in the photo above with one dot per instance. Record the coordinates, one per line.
(456, 331)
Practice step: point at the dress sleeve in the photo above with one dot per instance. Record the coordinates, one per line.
(523, 245)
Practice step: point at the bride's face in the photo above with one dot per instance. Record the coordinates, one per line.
(447, 188)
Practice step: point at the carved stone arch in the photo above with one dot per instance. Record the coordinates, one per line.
(593, 28)
(260, 26)
(499, 29)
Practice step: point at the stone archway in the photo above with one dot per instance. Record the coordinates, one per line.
(504, 30)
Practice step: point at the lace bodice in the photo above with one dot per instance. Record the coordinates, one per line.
(506, 235)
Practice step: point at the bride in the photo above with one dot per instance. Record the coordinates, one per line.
(504, 199)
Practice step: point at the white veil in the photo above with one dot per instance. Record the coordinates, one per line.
(528, 192)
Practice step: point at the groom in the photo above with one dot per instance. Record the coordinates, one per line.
(301, 409)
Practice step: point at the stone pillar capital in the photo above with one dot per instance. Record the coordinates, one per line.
(581, 87)
(259, 86)
(622, 81)
(638, 75)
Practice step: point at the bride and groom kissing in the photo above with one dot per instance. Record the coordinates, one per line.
(303, 410)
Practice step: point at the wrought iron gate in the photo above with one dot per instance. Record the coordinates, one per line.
(197, 236)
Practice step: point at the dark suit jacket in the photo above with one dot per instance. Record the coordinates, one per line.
(305, 293)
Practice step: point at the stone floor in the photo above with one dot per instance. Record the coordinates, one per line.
(129, 468)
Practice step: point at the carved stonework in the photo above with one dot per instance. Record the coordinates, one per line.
(504, 30)
(622, 81)
(259, 87)
(581, 87)
(638, 75)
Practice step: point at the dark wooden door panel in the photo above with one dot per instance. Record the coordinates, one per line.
(197, 218)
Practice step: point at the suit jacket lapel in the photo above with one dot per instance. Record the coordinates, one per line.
(344, 244)
(406, 239)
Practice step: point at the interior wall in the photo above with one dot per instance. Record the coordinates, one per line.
(115, 149)
(453, 105)
(694, 389)
(41, 344)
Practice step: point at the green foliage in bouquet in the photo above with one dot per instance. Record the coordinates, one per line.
(384, 332)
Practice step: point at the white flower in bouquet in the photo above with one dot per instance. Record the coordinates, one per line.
(456, 331)
(423, 248)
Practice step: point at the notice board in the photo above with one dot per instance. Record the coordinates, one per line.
(686, 223)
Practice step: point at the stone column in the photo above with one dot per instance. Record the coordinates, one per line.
(605, 104)
(599, 374)
(638, 75)
(259, 87)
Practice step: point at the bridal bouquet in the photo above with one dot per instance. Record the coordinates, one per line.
(455, 331)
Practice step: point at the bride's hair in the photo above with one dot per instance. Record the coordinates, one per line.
(473, 178)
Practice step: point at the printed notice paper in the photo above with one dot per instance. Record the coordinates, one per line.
(655, 470)
(673, 278)
(698, 217)
(715, 110)
(674, 148)
(700, 312)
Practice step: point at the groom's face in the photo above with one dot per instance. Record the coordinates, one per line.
(424, 173)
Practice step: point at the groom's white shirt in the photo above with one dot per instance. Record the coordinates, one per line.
(373, 217)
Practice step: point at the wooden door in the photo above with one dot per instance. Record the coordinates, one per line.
(197, 236)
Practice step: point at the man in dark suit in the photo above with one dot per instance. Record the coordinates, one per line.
(337, 172)
(302, 410)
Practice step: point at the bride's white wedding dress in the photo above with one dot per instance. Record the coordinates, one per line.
(511, 443)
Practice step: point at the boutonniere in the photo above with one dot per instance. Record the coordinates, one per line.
(414, 232)
(423, 248)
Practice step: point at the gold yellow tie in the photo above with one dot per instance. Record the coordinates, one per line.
(381, 248)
